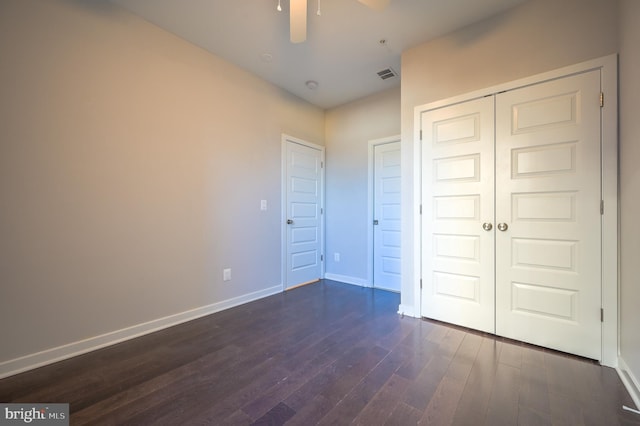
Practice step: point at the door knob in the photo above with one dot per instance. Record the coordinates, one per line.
(503, 226)
(289, 222)
(487, 226)
(375, 221)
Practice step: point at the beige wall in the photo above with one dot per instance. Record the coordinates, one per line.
(630, 185)
(132, 166)
(349, 128)
(538, 36)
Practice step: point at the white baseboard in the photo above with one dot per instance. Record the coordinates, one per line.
(407, 311)
(630, 381)
(347, 279)
(49, 356)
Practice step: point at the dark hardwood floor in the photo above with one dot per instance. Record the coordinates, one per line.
(326, 353)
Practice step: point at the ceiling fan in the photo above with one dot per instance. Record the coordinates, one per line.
(298, 16)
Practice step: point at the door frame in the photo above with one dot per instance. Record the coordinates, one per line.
(286, 139)
(608, 66)
(371, 198)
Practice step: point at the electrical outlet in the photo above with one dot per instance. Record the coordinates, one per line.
(263, 205)
(336, 257)
(226, 274)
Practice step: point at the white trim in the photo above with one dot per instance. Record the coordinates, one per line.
(595, 64)
(407, 311)
(608, 66)
(283, 206)
(416, 216)
(347, 280)
(630, 381)
(371, 198)
(610, 231)
(49, 356)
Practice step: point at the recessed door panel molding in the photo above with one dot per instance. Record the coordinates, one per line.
(390, 159)
(457, 130)
(304, 260)
(543, 161)
(304, 235)
(458, 287)
(304, 211)
(458, 247)
(539, 114)
(544, 206)
(466, 207)
(391, 211)
(305, 161)
(545, 302)
(391, 239)
(460, 169)
(300, 185)
(544, 254)
(391, 265)
(391, 185)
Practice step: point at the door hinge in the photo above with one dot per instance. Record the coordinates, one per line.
(601, 99)
(322, 164)
(322, 258)
(321, 210)
(420, 208)
(601, 206)
(601, 315)
(420, 283)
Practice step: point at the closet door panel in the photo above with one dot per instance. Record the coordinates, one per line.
(548, 260)
(457, 185)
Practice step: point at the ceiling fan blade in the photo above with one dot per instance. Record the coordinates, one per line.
(375, 4)
(298, 20)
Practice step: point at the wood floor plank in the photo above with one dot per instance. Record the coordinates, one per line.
(511, 354)
(534, 391)
(474, 400)
(167, 380)
(403, 415)
(281, 390)
(443, 404)
(362, 394)
(530, 417)
(426, 383)
(276, 416)
(504, 402)
(565, 410)
(384, 402)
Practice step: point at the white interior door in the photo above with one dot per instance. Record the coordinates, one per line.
(386, 217)
(458, 212)
(303, 203)
(548, 268)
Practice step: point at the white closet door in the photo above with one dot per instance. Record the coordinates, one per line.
(548, 260)
(458, 186)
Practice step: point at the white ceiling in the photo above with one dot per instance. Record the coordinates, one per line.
(342, 53)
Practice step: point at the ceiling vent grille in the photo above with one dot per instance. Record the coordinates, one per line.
(387, 73)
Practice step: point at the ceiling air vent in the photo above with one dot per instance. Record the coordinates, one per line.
(387, 73)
